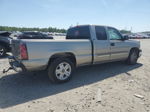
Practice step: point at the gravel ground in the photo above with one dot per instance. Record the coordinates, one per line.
(112, 87)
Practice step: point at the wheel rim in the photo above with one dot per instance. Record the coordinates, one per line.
(63, 71)
(134, 57)
(1, 51)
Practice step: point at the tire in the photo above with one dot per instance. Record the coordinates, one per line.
(133, 57)
(2, 51)
(60, 70)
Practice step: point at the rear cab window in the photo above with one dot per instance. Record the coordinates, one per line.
(81, 32)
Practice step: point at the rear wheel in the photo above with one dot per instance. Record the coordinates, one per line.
(60, 70)
(133, 57)
(2, 51)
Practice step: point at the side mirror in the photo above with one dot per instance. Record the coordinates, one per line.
(125, 37)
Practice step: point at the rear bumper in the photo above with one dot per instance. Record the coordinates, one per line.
(16, 65)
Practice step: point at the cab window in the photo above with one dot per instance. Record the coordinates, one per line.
(82, 32)
(100, 33)
(114, 34)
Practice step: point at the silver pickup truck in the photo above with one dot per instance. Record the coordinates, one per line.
(84, 45)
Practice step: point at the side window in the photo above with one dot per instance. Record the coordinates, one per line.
(114, 34)
(100, 33)
(82, 32)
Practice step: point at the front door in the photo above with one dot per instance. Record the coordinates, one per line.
(118, 47)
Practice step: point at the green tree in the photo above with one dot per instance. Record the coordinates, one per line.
(49, 29)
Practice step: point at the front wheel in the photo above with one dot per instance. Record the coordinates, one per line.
(133, 57)
(60, 70)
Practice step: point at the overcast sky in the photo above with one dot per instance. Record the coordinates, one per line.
(122, 14)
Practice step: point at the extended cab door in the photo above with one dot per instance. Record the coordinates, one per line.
(119, 48)
(101, 45)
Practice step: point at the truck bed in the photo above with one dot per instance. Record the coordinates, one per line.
(40, 51)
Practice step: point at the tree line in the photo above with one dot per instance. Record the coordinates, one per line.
(49, 29)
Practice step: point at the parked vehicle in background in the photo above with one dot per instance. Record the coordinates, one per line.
(139, 36)
(33, 35)
(6, 37)
(57, 36)
(132, 36)
(84, 45)
(4, 43)
(148, 35)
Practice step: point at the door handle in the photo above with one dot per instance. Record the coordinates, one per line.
(112, 44)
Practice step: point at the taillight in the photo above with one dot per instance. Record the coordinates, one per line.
(23, 52)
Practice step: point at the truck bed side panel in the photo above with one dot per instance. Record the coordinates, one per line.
(40, 51)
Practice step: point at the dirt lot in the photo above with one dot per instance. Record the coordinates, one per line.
(113, 87)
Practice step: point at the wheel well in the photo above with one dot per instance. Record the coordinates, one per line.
(135, 48)
(69, 56)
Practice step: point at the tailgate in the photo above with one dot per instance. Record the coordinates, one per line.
(15, 48)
